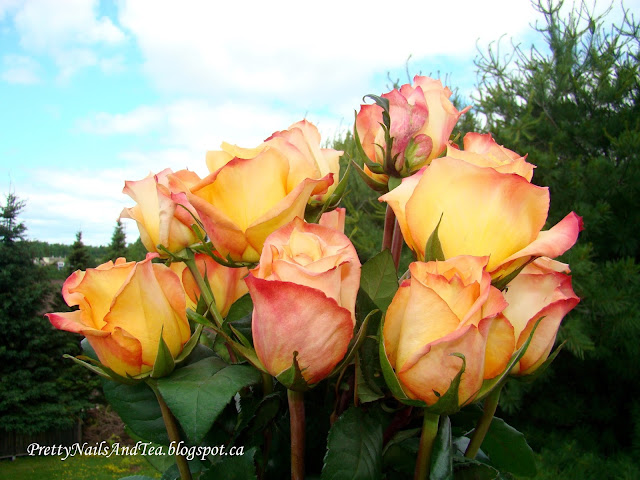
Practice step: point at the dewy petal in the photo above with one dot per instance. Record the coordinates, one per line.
(484, 213)
(288, 318)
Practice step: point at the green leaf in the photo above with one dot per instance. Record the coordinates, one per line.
(508, 449)
(442, 454)
(138, 407)
(240, 308)
(196, 394)
(354, 448)
(379, 279)
(433, 248)
(470, 469)
(233, 467)
(164, 363)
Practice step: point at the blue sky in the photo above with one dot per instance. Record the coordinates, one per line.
(94, 93)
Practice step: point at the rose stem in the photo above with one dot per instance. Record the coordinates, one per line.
(396, 244)
(427, 438)
(389, 223)
(296, 414)
(490, 405)
(172, 431)
(267, 389)
(209, 299)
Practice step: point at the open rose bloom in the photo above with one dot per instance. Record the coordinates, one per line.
(246, 199)
(300, 144)
(444, 308)
(123, 308)
(304, 294)
(484, 212)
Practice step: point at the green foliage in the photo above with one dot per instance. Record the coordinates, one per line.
(79, 257)
(136, 251)
(40, 390)
(118, 246)
(365, 214)
(573, 106)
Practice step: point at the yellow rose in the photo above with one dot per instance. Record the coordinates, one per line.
(484, 213)
(245, 200)
(447, 307)
(123, 308)
(160, 219)
(300, 145)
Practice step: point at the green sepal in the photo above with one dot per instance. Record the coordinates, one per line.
(496, 382)
(359, 338)
(371, 183)
(292, 377)
(433, 248)
(384, 104)
(93, 368)
(164, 363)
(314, 210)
(542, 368)
(394, 182)
(96, 367)
(206, 248)
(248, 353)
(449, 403)
(502, 282)
(373, 166)
(190, 345)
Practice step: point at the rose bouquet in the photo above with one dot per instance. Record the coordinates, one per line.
(252, 343)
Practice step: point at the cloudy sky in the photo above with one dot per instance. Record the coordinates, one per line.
(93, 93)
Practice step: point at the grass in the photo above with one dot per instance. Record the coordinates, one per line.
(80, 467)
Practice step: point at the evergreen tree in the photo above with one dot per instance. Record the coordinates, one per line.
(79, 258)
(118, 246)
(576, 111)
(137, 251)
(39, 389)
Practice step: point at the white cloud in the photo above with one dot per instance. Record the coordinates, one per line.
(20, 69)
(196, 126)
(308, 55)
(60, 202)
(70, 32)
